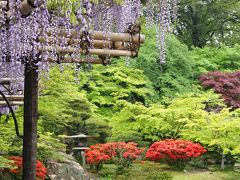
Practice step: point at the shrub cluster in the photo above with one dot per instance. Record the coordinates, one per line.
(174, 150)
(120, 153)
(17, 163)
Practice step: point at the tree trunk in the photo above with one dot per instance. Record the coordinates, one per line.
(223, 162)
(30, 122)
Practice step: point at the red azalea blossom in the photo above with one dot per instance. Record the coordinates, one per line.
(41, 170)
(174, 150)
(101, 153)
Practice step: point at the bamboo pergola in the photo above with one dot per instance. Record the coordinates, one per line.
(104, 46)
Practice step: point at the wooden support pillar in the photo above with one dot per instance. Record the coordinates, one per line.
(30, 122)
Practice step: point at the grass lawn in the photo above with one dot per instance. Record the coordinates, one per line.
(156, 171)
(206, 175)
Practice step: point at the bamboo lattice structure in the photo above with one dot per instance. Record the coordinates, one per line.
(103, 44)
(12, 103)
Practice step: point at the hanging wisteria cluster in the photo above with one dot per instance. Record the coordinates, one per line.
(39, 38)
(18, 45)
(111, 16)
(117, 17)
(161, 13)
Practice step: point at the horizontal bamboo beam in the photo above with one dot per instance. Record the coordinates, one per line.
(98, 44)
(12, 103)
(13, 98)
(5, 81)
(99, 52)
(99, 35)
(78, 60)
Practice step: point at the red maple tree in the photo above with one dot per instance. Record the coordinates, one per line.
(227, 84)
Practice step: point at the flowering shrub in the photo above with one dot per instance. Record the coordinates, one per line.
(174, 151)
(17, 164)
(120, 153)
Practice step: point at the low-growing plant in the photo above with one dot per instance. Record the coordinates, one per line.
(175, 152)
(160, 175)
(120, 153)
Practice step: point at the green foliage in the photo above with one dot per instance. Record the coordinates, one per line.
(219, 131)
(109, 88)
(159, 122)
(4, 163)
(182, 69)
(64, 110)
(49, 147)
(213, 59)
(98, 128)
(176, 75)
(10, 144)
(208, 22)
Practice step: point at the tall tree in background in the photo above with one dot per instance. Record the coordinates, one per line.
(212, 22)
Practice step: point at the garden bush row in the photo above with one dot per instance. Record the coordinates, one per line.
(173, 152)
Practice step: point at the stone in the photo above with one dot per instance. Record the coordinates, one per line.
(237, 167)
(68, 169)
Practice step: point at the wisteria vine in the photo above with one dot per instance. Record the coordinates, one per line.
(21, 37)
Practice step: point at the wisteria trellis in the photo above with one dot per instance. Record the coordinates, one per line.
(19, 36)
(20, 33)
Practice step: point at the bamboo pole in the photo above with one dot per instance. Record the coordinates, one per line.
(70, 41)
(98, 44)
(99, 35)
(12, 103)
(78, 60)
(100, 52)
(5, 81)
(8, 80)
(13, 97)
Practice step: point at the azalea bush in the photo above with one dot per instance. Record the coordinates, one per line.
(17, 165)
(174, 152)
(120, 153)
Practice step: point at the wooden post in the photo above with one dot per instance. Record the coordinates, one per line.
(30, 122)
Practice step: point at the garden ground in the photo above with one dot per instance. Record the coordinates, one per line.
(156, 171)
